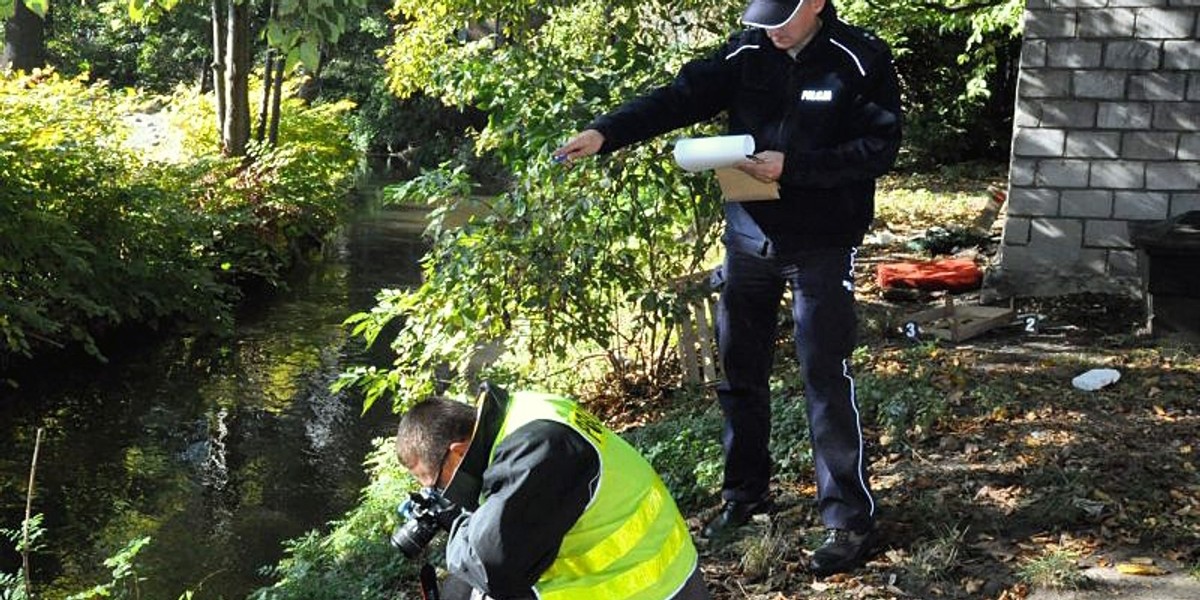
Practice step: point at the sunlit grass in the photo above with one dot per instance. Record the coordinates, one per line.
(762, 553)
(947, 198)
(904, 209)
(1057, 568)
(935, 559)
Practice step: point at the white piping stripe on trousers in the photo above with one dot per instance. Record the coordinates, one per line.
(858, 425)
(857, 62)
(854, 405)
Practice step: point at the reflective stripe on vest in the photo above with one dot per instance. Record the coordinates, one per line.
(630, 542)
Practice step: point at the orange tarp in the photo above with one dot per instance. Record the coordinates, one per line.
(952, 274)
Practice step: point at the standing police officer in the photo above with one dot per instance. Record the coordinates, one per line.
(821, 100)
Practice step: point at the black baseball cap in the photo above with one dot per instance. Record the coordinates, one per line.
(769, 14)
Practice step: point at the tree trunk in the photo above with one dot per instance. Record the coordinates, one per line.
(218, 65)
(202, 82)
(24, 40)
(276, 99)
(264, 108)
(236, 131)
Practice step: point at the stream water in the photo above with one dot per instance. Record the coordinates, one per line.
(217, 451)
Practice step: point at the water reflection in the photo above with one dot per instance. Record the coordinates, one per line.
(217, 451)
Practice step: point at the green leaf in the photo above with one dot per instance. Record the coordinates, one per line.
(275, 34)
(309, 54)
(38, 6)
(291, 38)
(293, 59)
(137, 10)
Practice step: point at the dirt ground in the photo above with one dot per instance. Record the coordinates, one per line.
(1027, 487)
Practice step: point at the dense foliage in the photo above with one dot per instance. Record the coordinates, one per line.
(90, 238)
(94, 237)
(588, 259)
(144, 45)
(99, 40)
(957, 62)
(560, 259)
(415, 132)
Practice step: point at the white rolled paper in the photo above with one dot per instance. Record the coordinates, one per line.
(701, 154)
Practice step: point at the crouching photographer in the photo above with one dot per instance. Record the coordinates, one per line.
(540, 500)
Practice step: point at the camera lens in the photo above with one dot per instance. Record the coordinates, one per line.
(412, 537)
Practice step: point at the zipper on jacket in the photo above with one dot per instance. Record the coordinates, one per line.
(791, 106)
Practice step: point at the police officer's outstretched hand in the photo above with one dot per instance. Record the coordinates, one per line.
(584, 144)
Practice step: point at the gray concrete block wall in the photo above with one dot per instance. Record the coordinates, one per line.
(1106, 133)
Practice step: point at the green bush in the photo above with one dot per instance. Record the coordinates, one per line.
(93, 236)
(285, 201)
(560, 261)
(685, 449)
(100, 40)
(124, 584)
(90, 237)
(24, 539)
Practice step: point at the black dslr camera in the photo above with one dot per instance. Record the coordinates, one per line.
(424, 514)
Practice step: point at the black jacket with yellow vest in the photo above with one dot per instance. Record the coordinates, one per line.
(562, 508)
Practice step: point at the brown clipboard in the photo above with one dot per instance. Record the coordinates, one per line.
(738, 186)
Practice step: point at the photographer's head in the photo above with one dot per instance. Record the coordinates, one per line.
(433, 437)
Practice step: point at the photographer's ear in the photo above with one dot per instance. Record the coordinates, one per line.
(464, 487)
(455, 456)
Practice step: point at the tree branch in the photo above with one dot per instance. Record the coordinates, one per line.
(37, 443)
(939, 7)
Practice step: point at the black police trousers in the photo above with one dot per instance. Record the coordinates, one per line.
(822, 289)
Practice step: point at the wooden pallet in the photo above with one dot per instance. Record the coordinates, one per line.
(696, 342)
(956, 322)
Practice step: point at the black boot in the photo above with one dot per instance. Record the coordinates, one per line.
(843, 550)
(734, 514)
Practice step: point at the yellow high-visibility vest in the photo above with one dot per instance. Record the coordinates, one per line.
(630, 543)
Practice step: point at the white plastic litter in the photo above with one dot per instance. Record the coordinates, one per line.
(883, 238)
(1096, 379)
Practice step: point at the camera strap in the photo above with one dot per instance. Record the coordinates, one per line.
(429, 583)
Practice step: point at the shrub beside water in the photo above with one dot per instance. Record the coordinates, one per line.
(94, 236)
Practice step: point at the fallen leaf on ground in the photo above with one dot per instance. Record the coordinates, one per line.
(1129, 568)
